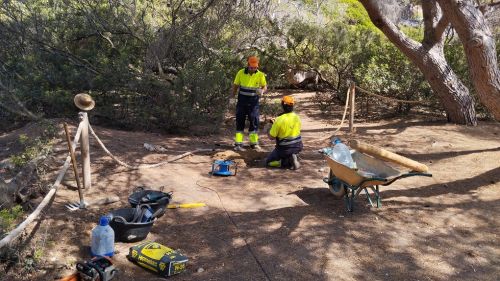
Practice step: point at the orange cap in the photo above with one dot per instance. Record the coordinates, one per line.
(288, 100)
(253, 61)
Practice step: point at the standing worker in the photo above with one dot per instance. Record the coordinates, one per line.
(286, 131)
(249, 83)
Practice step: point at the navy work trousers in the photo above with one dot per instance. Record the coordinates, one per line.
(247, 107)
(284, 153)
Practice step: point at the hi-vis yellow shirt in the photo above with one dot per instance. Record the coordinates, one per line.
(286, 126)
(250, 83)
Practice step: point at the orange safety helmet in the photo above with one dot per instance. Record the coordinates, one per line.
(288, 100)
(253, 61)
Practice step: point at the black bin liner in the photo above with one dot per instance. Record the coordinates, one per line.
(154, 198)
(126, 230)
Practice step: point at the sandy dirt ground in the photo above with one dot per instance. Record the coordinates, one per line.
(272, 224)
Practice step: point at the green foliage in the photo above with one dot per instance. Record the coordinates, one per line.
(357, 14)
(270, 107)
(36, 147)
(113, 49)
(333, 50)
(169, 65)
(390, 73)
(23, 138)
(8, 217)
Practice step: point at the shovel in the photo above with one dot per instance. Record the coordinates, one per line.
(186, 205)
(81, 204)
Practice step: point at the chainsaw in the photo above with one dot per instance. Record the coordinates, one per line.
(96, 269)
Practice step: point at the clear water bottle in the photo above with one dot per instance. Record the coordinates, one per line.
(340, 153)
(148, 213)
(103, 239)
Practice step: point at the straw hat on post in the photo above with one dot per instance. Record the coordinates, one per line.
(84, 102)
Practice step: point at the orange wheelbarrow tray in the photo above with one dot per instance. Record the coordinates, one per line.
(370, 173)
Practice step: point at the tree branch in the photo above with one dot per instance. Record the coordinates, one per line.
(396, 36)
(435, 23)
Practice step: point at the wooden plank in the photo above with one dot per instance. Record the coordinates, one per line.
(388, 156)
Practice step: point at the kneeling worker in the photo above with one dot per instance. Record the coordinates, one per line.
(286, 131)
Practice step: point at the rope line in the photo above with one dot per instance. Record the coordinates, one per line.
(14, 233)
(389, 99)
(343, 115)
(143, 166)
(345, 110)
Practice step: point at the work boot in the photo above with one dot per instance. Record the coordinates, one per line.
(295, 162)
(256, 147)
(238, 147)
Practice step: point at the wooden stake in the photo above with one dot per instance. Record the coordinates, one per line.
(351, 115)
(85, 150)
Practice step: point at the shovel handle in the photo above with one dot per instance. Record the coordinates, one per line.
(186, 205)
(72, 277)
(104, 201)
(73, 161)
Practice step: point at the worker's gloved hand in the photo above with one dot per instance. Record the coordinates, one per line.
(260, 92)
(267, 127)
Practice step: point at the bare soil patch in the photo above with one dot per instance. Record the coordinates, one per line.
(271, 224)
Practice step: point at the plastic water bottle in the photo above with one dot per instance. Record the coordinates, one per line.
(103, 239)
(340, 153)
(148, 213)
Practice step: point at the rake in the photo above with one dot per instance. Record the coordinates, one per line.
(87, 204)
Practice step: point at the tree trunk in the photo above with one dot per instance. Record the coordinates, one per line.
(479, 46)
(451, 92)
(429, 58)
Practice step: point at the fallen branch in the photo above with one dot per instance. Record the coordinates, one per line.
(145, 166)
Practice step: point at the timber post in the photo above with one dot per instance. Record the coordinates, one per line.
(85, 151)
(352, 107)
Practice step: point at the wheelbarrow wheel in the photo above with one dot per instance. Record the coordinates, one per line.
(336, 187)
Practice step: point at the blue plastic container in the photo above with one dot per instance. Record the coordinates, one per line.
(103, 239)
(223, 168)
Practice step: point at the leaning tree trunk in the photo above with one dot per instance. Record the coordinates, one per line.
(428, 56)
(479, 46)
(451, 92)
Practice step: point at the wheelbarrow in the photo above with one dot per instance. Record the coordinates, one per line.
(370, 173)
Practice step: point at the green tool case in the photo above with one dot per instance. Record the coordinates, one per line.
(158, 258)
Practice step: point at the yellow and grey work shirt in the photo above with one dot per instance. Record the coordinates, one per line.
(249, 83)
(286, 129)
